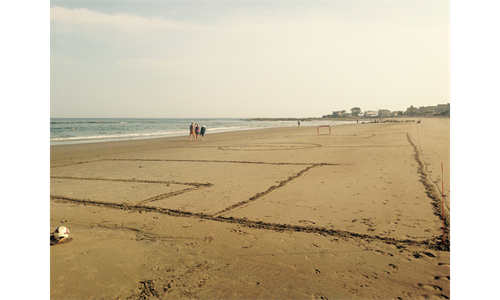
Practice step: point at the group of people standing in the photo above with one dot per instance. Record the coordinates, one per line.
(197, 131)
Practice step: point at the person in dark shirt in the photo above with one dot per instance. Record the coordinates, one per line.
(202, 132)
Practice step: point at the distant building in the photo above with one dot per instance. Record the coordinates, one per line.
(411, 110)
(426, 110)
(384, 113)
(442, 108)
(434, 109)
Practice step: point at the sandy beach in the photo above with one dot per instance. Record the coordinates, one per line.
(279, 213)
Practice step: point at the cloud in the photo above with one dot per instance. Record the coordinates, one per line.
(84, 18)
(149, 63)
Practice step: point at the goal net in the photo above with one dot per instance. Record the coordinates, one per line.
(323, 131)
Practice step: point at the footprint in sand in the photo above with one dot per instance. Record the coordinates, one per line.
(442, 277)
(384, 253)
(444, 264)
(238, 231)
(439, 296)
(430, 287)
(429, 254)
(426, 253)
(307, 222)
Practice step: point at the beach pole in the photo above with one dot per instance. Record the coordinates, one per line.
(442, 194)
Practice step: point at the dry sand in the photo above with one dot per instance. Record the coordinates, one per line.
(276, 213)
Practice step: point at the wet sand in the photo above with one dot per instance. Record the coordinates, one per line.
(277, 213)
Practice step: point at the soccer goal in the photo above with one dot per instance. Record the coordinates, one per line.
(329, 129)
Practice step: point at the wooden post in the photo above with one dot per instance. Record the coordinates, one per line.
(442, 194)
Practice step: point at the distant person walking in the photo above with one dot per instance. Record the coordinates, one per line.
(202, 132)
(191, 131)
(298, 123)
(197, 132)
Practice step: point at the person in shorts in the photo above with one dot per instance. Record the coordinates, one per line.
(191, 131)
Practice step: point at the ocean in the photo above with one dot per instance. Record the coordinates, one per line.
(93, 130)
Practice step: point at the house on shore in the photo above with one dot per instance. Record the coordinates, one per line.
(411, 110)
(440, 108)
(383, 113)
(371, 113)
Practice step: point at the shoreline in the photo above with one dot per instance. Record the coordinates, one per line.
(92, 139)
(405, 119)
(143, 138)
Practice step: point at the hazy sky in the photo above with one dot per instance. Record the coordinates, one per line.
(247, 58)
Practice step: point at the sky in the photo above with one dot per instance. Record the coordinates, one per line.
(244, 59)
